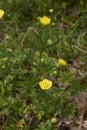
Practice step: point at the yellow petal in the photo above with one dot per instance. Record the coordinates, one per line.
(1, 13)
(62, 62)
(45, 20)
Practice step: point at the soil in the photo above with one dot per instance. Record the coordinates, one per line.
(80, 120)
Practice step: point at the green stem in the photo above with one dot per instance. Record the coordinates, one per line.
(22, 41)
(79, 49)
(51, 45)
(41, 41)
(36, 79)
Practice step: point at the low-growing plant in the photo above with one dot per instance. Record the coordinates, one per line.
(37, 77)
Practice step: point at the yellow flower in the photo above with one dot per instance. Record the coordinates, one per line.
(53, 120)
(45, 84)
(62, 62)
(45, 20)
(1, 13)
(51, 10)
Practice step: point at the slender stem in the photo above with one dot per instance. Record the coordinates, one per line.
(36, 79)
(79, 49)
(38, 37)
(40, 41)
(22, 41)
(51, 44)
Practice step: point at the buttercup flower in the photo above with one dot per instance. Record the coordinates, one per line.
(62, 62)
(51, 10)
(45, 84)
(53, 119)
(1, 13)
(45, 20)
